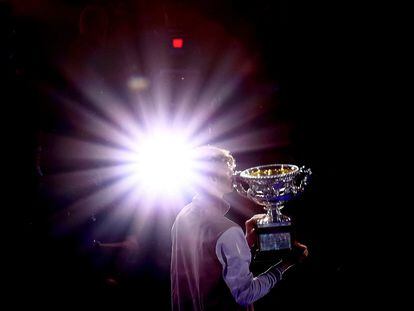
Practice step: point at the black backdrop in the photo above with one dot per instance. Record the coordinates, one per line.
(307, 52)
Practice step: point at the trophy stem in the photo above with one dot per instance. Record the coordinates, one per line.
(275, 215)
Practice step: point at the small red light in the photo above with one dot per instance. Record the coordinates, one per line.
(177, 43)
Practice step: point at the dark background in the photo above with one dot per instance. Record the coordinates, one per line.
(306, 56)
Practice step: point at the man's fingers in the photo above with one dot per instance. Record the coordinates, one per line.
(255, 218)
(259, 216)
(300, 245)
(301, 248)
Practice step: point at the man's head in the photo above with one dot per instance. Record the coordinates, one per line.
(216, 167)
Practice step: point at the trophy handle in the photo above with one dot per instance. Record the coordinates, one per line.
(238, 184)
(303, 178)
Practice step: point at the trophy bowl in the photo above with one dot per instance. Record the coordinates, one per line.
(271, 186)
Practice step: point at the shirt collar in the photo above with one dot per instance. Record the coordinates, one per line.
(211, 203)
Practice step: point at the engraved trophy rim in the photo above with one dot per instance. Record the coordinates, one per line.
(247, 172)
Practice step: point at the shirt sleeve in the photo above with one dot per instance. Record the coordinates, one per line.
(234, 255)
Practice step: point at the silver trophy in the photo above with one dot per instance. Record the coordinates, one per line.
(271, 186)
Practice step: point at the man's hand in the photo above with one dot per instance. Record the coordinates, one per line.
(298, 254)
(251, 229)
(301, 252)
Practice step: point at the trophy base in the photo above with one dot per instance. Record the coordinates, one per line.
(274, 241)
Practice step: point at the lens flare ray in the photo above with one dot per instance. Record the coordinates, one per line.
(129, 152)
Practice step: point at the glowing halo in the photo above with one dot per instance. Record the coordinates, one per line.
(164, 163)
(126, 148)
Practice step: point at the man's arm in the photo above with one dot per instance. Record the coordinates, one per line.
(234, 255)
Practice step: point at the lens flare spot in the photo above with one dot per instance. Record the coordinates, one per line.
(164, 163)
(138, 84)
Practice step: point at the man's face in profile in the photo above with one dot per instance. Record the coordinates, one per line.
(225, 177)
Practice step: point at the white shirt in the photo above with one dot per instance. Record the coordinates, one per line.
(234, 255)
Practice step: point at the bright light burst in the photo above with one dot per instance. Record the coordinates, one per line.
(133, 150)
(164, 164)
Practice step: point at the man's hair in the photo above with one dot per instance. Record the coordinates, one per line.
(210, 160)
